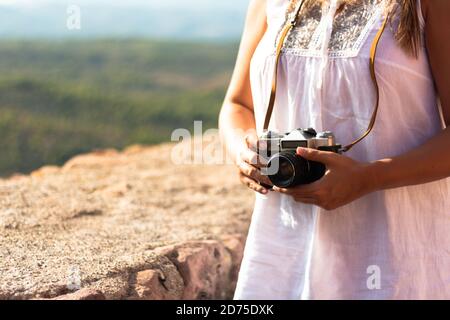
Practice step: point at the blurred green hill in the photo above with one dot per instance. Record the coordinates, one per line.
(61, 98)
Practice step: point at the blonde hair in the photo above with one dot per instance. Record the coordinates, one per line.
(407, 32)
(407, 26)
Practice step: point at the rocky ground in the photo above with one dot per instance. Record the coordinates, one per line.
(122, 225)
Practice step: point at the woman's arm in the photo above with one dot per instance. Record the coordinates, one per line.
(237, 121)
(426, 163)
(432, 160)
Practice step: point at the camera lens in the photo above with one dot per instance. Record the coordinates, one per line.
(288, 170)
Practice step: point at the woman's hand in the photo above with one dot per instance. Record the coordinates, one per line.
(249, 164)
(345, 181)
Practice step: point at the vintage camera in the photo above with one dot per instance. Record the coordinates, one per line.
(285, 168)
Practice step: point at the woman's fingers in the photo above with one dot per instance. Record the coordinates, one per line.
(249, 164)
(310, 194)
(325, 157)
(306, 200)
(307, 191)
(253, 158)
(252, 184)
(252, 141)
(253, 173)
(300, 195)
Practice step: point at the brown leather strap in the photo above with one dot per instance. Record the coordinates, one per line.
(284, 33)
(373, 51)
(373, 55)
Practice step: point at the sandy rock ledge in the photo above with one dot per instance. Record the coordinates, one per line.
(195, 270)
(123, 225)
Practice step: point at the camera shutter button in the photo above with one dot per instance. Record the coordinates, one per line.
(310, 131)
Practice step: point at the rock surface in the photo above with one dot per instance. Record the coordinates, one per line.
(122, 225)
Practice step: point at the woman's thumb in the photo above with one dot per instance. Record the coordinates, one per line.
(324, 157)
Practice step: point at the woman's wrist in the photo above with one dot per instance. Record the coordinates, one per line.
(427, 163)
(378, 173)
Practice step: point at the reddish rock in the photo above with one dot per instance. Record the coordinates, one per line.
(204, 266)
(44, 171)
(150, 286)
(17, 177)
(83, 294)
(133, 149)
(96, 159)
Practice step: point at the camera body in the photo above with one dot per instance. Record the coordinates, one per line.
(285, 168)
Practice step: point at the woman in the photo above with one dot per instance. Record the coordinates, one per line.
(377, 225)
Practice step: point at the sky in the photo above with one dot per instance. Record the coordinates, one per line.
(149, 3)
(202, 19)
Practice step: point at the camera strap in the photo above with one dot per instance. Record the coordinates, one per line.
(373, 52)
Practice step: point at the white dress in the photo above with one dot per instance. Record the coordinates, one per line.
(392, 244)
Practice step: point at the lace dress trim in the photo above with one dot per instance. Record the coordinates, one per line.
(351, 27)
